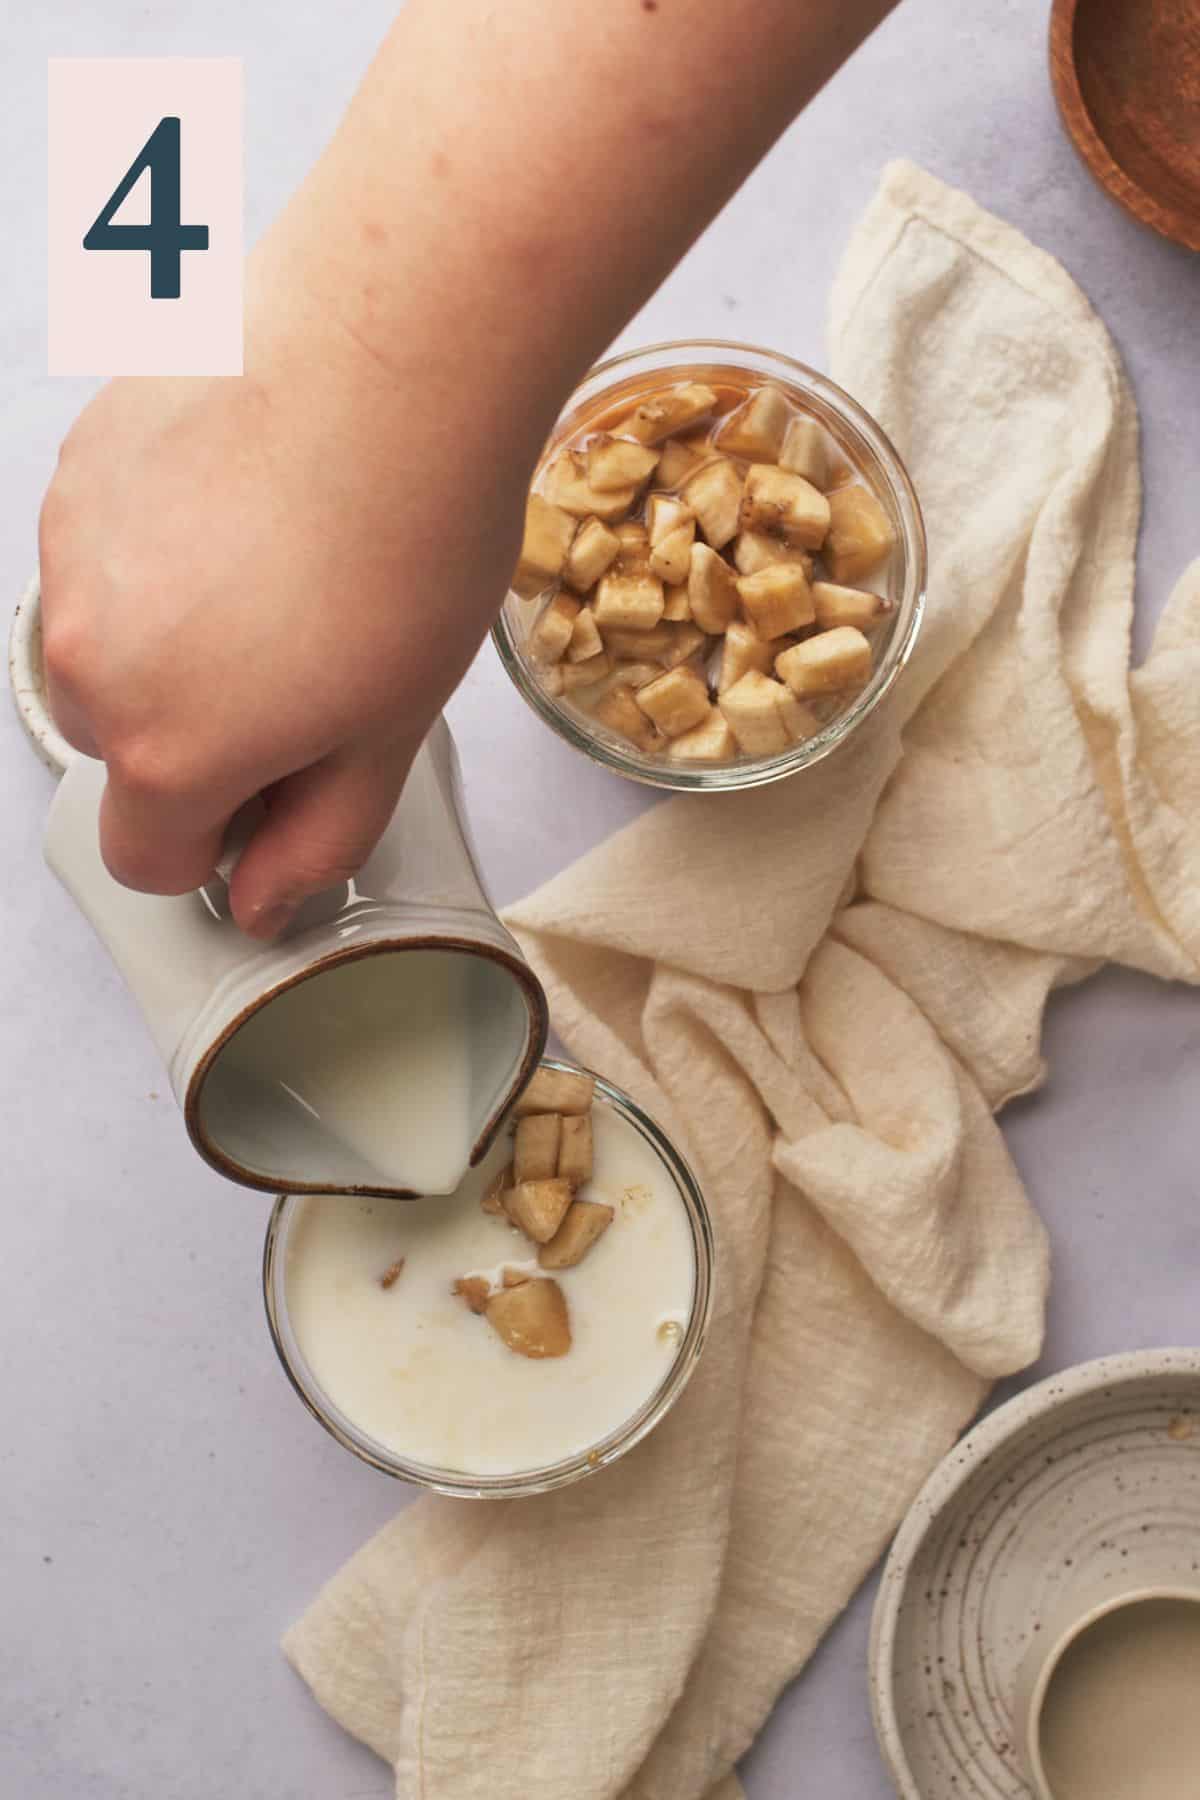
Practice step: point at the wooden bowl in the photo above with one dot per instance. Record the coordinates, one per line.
(1127, 79)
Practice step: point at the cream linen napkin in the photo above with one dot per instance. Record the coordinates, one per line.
(834, 985)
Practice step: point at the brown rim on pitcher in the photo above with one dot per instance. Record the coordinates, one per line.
(539, 1028)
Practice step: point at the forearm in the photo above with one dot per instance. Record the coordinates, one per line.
(511, 182)
(273, 584)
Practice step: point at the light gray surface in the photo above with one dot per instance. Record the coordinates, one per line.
(167, 1507)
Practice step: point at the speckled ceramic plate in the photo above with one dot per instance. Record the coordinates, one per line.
(27, 681)
(1097, 1467)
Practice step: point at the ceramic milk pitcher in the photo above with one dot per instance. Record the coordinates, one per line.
(374, 1048)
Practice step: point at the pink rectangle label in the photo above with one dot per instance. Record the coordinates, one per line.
(145, 216)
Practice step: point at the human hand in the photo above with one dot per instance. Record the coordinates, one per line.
(271, 585)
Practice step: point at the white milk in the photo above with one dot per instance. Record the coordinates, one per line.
(378, 1052)
(1121, 1717)
(416, 1370)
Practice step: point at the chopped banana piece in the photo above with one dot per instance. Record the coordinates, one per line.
(586, 641)
(670, 559)
(585, 674)
(492, 1201)
(676, 701)
(714, 494)
(474, 1289)
(550, 636)
(827, 663)
(805, 451)
(537, 1207)
(688, 640)
(658, 415)
(633, 601)
(678, 608)
(532, 1318)
(556, 1091)
(614, 464)
(751, 709)
(741, 651)
(860, 534)
(777, 600)
(567, 486)
(640, 646)
(665, 514)
(699, 443)
(633, 557)
(594, 550)
(586, 1221)
(711, 741)
(758, 427)
(672, 527)
(754, 550)
(799, 721)
(548, 534)
(848, 606)
(619, 712)
(630, 648)
(637, 674)
(678, 461)
(786, 504)
(535, 1147)
(575, 1150)
(712, 590)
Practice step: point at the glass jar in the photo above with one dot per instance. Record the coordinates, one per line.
(864, 446)
(678, 1178)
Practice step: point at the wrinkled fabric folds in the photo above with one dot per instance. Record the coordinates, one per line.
(1022, 810)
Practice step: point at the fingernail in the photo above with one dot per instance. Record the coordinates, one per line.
(268, 921)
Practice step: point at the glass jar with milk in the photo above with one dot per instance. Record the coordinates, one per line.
(364, 1299)
(366, 1067)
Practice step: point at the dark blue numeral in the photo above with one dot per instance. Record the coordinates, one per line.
(164, 237)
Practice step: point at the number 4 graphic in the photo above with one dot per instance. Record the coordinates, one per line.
(164, 237)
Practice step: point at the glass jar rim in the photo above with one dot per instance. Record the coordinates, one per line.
(857, 423)
(568, 1469)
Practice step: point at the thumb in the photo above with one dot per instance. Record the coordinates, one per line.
(321, 825)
